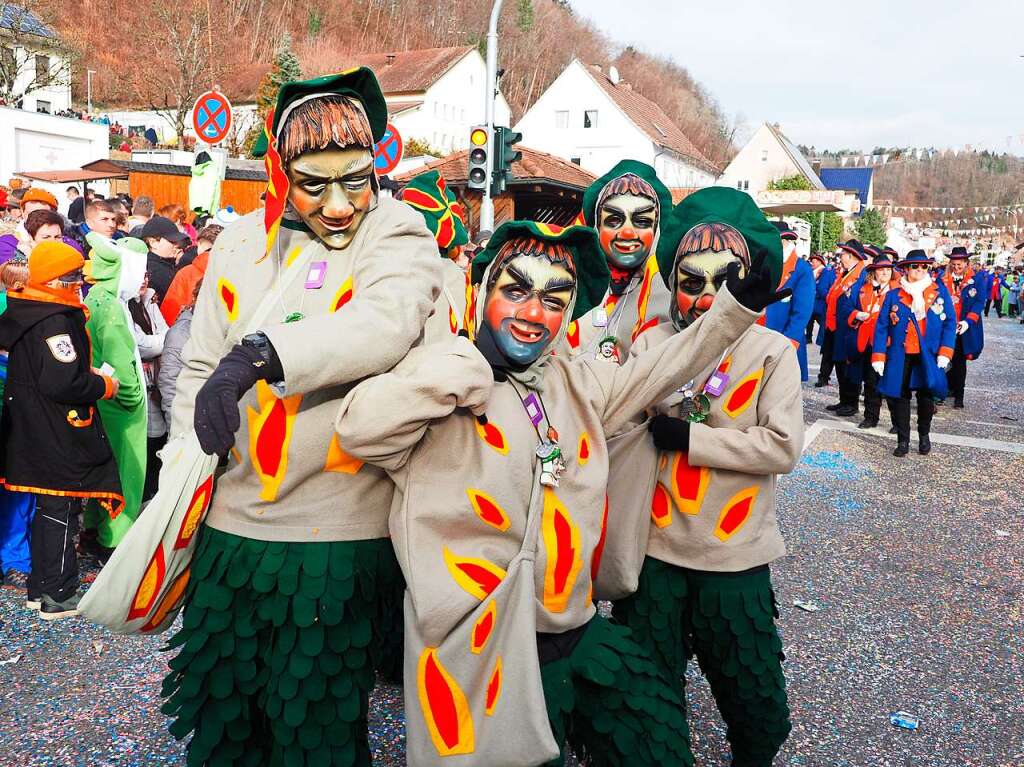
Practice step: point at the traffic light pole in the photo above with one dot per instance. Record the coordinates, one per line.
(491, 86)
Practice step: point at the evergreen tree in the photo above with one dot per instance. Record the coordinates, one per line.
(524, 15)
(870, 228)
(285, 67)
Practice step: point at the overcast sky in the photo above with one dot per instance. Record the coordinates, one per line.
(856, 74)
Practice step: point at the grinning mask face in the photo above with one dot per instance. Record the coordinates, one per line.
(702, 263)
(626, 225)
(527, 305)
(331, 190)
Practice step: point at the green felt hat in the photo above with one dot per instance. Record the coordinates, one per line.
(443, 213)
(591, 270)
(719, 204)
(643, 170)
(359, 83)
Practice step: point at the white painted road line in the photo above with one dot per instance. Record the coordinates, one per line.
(815, 430)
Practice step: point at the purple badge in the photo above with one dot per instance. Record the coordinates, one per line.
(716, 384)
(316, 275)
(533, 408)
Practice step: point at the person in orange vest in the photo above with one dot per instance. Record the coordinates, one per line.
(968, 296)
(837, 324)
(869, 303)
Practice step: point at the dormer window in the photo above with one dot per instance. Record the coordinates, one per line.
(590, 118)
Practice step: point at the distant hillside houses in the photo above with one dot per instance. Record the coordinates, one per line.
(35, 71)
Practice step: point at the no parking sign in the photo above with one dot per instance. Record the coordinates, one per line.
(211, 117)
(389, 150)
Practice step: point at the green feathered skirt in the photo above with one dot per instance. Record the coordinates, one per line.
(610, 703)
(278, 649)
(727, 621)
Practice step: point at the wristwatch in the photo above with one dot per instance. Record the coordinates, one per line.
(271, 364)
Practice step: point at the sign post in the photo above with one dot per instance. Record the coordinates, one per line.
(211, 117)
(388, 152)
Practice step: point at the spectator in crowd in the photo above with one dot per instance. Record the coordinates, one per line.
(176, 213)
(18, 239)
(142, 211)
(180, 292)
(165, 242)
(171, 361)
(37, 199)
(150, 329)
(76, 205)
(42, 225)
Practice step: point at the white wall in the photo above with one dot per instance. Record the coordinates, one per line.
(57, 96)
(760, 162)
(675, 172)
(35, 142)
(242, 115)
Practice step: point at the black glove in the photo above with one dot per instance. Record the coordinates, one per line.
(671, 434)
(216, 417)
(756, 291)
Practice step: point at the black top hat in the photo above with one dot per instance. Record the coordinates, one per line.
(880, 262)
(785, 230)
(959, 252)
(854, 247)
(916, 257)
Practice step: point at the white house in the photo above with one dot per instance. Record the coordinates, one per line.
(595, 119)
(768, 156)
(31, 56)
(138, 121)
(435, 95)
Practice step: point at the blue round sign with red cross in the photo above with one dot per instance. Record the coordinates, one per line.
(389, 150)
(211, 117)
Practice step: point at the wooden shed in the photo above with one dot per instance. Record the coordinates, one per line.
(167, 184)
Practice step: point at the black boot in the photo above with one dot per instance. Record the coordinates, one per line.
(925, 412)
(849, 400)
(868, 423)
(900, 411)
(820, 384)
(833, 407)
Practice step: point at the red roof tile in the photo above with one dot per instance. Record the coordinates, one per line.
(651, 119)
(535, 167)
(403, 71)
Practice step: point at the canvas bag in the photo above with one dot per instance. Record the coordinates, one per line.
(477, 699)
(632, 473)
(142, 586)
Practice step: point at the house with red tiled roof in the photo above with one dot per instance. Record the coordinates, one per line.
(435, 95)
(594, 119)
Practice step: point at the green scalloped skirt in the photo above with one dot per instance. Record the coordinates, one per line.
(610, 703)
(727, 620)
(278, 649)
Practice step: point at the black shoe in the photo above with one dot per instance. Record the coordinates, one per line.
(940, 402)
(820, 384)
(89, 546)
(50, 610)
(867, 423)
(846, 410)
(893, 430)
(924, 444)
(833, 408)
(958, 404)
(902, 448)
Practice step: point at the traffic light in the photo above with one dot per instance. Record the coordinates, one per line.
(479, 163)
(505, 155)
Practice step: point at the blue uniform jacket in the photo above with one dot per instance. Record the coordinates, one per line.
(895, 321)
(790, 316)
(821, 287)
(846, 335)
(971, 304)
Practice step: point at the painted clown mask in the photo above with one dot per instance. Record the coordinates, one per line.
(702, 263)
(529, 300)
(627, 221)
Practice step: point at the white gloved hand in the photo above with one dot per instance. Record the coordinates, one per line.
(879, 367)
(943, 361)
(861, 316)
(961, 327)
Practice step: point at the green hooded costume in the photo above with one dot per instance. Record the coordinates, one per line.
(117, 271)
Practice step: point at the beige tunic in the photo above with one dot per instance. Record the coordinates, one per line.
(288, 480)
(463, 489)
(714, 507)
(449, 315)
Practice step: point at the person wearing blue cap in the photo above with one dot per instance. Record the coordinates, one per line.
(791, 315)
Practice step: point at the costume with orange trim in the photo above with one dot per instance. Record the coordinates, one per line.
(873, 291)
(53, 441)
(792, 315)
(294, 598)
(843, 348)
(705, 587)
(968, 293)
(912, 349)
(457, 526)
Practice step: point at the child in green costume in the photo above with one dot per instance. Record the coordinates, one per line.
(116, 272)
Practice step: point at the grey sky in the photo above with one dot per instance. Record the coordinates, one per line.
(943, 73)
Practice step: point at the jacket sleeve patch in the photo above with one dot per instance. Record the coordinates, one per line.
(62, 348)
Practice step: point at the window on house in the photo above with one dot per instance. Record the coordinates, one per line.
(437, 109)
(743, 186)
(764, 155)
(43, 106)
(8, 64)
(575, 160)
(42, 68)
(590, 118)
(562, 119)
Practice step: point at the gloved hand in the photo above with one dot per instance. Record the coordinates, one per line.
(943, 362)
(756, 291)
(670, 433)
(216, 416)
(878, 367)
(961, 327)
(861, 316)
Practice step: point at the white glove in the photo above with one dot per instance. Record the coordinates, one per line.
(961, 327)
(943, 361)
(861, 316)
(879, 367)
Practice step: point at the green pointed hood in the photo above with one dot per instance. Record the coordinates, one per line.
(119, 267)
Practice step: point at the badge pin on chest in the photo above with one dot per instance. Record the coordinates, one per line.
(533, 408)
(717, 383)
(600, 317)
(316, 275)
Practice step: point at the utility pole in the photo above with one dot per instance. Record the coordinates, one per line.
(491, 86)
(88, 89)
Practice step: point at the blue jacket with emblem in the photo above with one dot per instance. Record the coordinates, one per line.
(790, 316)
(846, 329)
(970, 303)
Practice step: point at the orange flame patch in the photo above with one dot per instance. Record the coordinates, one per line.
(170, 601)
(742, 394)
(493, 688)
(661, 506)
(444, 707)
(343, 296)
(483, 629)
(562, 543)
(583, 451)
(735, 513)
(196, 508)
(488, 509)
(595, 557)
(149, 586)
(492, 434)
(340, 461)
(229, 297)
(453, 319)
(270, 433)
(689, 484)
(477, 577)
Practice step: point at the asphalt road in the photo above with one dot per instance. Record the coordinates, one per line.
(914, 563)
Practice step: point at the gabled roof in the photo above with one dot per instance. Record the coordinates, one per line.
(533, 168)
(396, 107)
(796, 156)
(650, 119)
(848, 180)
(403, 71)
(18, 19)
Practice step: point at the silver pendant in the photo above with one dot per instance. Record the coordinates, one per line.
(551, 463)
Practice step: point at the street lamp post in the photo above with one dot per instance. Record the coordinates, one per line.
(88, 89)
(491, 86)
